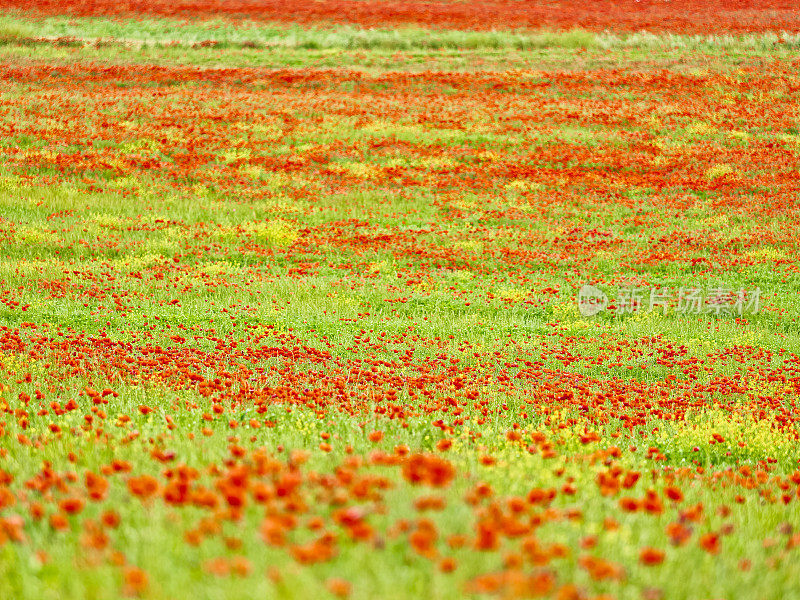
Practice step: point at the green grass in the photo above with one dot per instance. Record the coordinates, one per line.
(150, 31)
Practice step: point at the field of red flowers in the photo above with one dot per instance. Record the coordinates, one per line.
(677, 16)
(313, 331)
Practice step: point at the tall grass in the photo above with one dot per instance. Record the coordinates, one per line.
(224, 34)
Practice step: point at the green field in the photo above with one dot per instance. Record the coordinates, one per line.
(291, 312)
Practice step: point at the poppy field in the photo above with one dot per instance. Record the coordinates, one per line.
(289, 300)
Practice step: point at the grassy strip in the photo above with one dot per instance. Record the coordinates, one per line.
(220, 33)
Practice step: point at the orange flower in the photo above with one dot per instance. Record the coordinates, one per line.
(652, 503)
(600, 568)
(273, 532)
(36, 510)
(71, 506)
(428, 469)
(430, 503)
(121, 466)
(320, 550)
(693, 513)
(193, 537)
(745, 564)
(218, 566)
(710, 543)
(541, 496)
(488, 537)
(422, 540)
(651, 556)
(12, 528)
(447, 565)
(610, 524)
(339, 587)
(94, 538)
(630, 479)
(569, 592)
(513, 584)
(678, 533)
(7, 499)
(673, 494)
(96, 486)
(143, 487)
(136, 581)
(456, 541)
(241, 566)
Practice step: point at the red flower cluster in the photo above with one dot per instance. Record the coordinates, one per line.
(681, 16)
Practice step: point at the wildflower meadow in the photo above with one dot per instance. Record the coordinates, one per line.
(399, 299)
